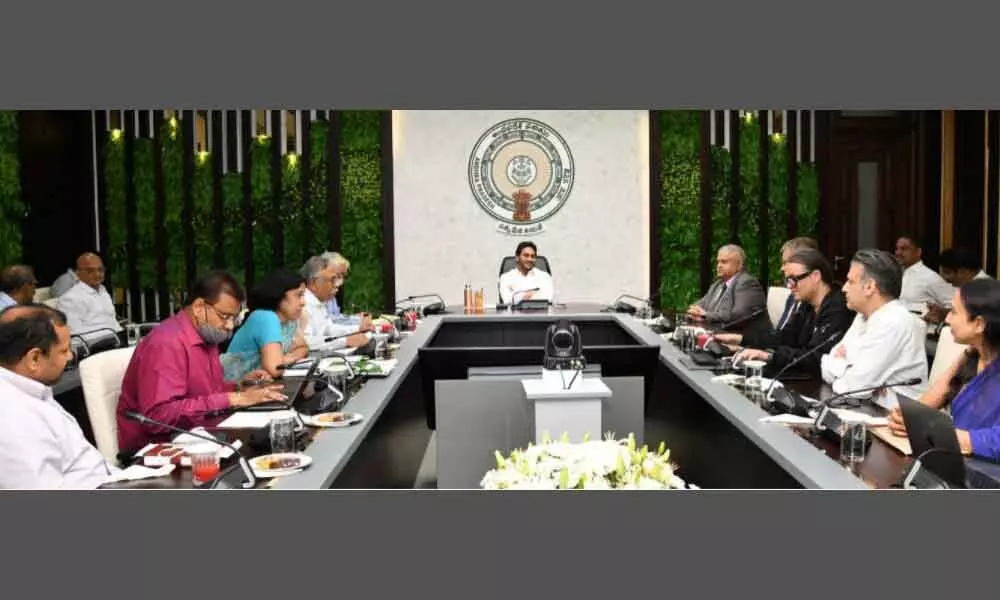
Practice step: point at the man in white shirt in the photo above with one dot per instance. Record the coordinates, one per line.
(63, 283)
(17, 285)
(525, 282)
(886, 342)
(41, 445)
(958, 266)
(88, 305)
(921, 286)
(322, 282)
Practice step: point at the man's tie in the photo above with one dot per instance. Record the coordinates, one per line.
(788, 315)
(718, 296)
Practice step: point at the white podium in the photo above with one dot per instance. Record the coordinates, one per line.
(575, 411)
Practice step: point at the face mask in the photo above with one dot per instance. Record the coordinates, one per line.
(212, 335)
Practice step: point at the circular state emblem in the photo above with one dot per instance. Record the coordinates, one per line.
(521, 173)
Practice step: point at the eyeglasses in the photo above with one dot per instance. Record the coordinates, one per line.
(793, 280)
(226, 318)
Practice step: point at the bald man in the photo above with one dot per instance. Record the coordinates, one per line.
(88, 306)
(17, 285)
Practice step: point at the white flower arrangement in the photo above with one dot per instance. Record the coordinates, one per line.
(604, 464)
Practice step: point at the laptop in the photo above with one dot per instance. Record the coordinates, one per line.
(934, 444)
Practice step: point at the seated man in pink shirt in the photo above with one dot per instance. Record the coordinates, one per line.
(175, 375)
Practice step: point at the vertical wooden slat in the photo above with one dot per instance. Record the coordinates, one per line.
(305, 165)
(947, 177)
(655, 200)
(131, 217)
(793, 172)
(232, 142)
(823, 178)
(992, 192)
(218, 151)
(388, 221)
(276, 196)
(101, 137)
(705, 167)
(159, 217)
(763, 166)
(735, 182)
(806, 132)
(187, 181)
(246, 141)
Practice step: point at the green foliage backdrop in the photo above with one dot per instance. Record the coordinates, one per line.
(361, 194)
(12, 208)
(361, 197)
(681, 206)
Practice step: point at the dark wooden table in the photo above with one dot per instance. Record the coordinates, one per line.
(883, 466)
(181, 478)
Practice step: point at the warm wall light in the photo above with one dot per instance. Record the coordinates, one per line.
(778, 137)
(262, 138)
(116, 134)
(748, 116)
(293, 159)
(202, 156)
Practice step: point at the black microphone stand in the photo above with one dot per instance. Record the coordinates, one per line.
(250, 479)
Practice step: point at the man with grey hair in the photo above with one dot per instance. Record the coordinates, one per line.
(341, 266)
(322, 282)
(734, 296)
(885, 343)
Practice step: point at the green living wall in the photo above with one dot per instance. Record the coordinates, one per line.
(681, 203)
(306, 227)
(12, 208)
(361, 194)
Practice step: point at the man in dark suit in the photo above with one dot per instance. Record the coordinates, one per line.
(735, 295)
(823, 314)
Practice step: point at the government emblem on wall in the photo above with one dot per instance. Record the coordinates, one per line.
(521, 173)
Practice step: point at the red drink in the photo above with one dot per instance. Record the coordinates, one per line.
(703, 339)
(204, 471)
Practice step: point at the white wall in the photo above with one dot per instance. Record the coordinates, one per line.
(598, 243)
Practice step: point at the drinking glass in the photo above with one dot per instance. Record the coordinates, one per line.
(132, 333)
(753, 371)
(852, 442)
(204, 462)
(282, 432)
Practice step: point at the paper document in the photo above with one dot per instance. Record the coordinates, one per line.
(253, 419)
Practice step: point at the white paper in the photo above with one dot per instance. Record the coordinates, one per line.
(253, 419)
(137, 471)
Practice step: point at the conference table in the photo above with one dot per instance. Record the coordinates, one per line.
(714, 431)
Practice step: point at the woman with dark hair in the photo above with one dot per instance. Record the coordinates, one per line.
(972, 384)
(270, 337)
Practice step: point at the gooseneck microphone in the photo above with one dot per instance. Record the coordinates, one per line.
(833, 338)
(251, 479)
(334, 338)
(744, 319)
(827, 419)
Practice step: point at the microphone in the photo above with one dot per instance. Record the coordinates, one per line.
(429, 309)
(622, 307)
(334, 338)
(514, 295)
(827, 419)
(744, 319)
(833, 338)
(251, 480)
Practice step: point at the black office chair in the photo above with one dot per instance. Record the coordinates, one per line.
(510, 262)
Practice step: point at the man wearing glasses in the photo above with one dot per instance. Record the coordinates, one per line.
(886, 342)
(175, 375)
(89, 310)
(822, 315)
(323, 279)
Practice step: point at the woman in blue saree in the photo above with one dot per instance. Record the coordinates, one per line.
(972, 383)
(270, 336)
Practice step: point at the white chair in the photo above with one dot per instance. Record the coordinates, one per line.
(776, 299)
(947, 352)
(42, 294)
(101, 377)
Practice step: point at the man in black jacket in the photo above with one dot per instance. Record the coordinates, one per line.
(824, 313)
